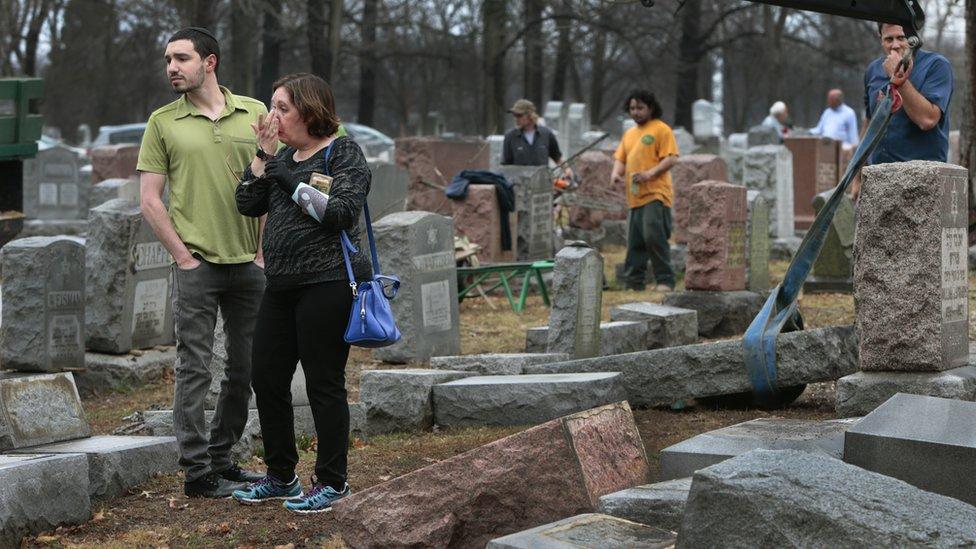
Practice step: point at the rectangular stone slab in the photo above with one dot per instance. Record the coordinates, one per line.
(926, 441)
(118, 463)
(39, 409)
(542, 474)
(505, 364)
(820, 437)
(523, 399)
(400, 400)
(41, 492)
(773, 498)
(666, 326)
(662, 376)
(587, 531)
(106, 373)
(661, 504)
(616, 337)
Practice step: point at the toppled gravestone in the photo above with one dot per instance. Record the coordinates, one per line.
(545, 473)
(502, 364)
(661, 504)
(700, 451)
(662, 376)
(720, 314)
(587, 531)
(40, 493)
(521, 399)
(400, 400)
(782, 498)
(666, 326)
(925, 441)
(39, 409)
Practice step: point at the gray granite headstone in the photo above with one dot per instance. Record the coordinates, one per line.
(834, 266)
(926, 441)
(705, 119)
(555, 115)
(577, 122)
(769, 170)
(666, 326)
(757, 243)
(533, 201)
(106, 190)
(911, 279)
(762, 135)
(129, 281)
(661, 504)
(39, 409)
(387, 190)
(419, 248)
(53, 187)
(42, 492)
(577, 288)
(686, 141)
(43, 327)
(495, 144)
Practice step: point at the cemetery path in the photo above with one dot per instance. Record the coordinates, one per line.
(157, 514)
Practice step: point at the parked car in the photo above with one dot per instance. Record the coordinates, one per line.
(121, 134)
(375, 143)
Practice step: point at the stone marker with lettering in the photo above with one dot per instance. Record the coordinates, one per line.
(717, 237)
(533, 200)
(52, 185)
(769, 170)
(577, 290)
(815, 169)
(128, 281)
(43, 327)
(834, 266)
(39, 409)
(419, 248)
(432, 163)
(757, 243)
(691, 169)
(911, 282)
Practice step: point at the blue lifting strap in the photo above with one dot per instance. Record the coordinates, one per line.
(760, 337)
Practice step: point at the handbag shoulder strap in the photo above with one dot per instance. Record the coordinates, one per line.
(347, 245)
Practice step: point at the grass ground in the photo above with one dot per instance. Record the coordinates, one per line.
(157, 515)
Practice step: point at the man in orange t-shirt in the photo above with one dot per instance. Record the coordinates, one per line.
(643, 161)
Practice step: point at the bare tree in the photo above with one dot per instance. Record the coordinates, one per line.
(367, 63)
(493, 14)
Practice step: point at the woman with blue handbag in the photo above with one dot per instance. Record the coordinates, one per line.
(313, 190)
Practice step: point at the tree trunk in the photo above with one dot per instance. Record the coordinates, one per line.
(367, 64)
(335, 38)
(270, 50)
(599, 71)
(318, 46)
(564, 49)
(534, 43)
(243, 48)
(494, 64)
(689, 60)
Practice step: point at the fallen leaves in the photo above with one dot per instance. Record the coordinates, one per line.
(176, 505)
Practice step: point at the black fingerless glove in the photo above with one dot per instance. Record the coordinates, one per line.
(277, 171)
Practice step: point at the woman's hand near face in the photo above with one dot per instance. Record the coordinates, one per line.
(266, 131)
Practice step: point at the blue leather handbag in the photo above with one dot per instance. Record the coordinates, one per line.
(371, 321)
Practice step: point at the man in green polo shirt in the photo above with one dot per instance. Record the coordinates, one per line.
(201, 143)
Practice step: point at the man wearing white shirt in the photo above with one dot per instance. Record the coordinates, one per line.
(838, 121)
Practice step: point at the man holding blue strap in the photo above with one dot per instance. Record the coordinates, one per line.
(920, 130)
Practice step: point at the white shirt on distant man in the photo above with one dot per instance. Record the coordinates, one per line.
(838, 121)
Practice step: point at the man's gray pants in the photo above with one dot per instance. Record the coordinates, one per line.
(197, 293)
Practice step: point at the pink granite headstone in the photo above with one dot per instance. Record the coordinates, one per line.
(716, 244)
(114, 161)
(477, 217)
(433, 162)
(689, 170)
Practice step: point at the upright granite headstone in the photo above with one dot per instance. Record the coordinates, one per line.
(757, 243)
(433, 162)
(128, 281)
(815, 165)
(555, 115)
(577, 288)
(769, 170)
(717, 243)
(533, 200)
(110, 189)
(43, 327)
(595, 200)
(686, 141)
(911, 279)
(834, 266)
(763, 135)
(705, 119)
(52, 185)
(495, 144)
(387, 190)
(691, 169)
(954, 147)
(478, 216)
(577, 122)
(114, 161)
(419, 248)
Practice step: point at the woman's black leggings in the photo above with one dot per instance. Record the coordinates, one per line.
(307, 324)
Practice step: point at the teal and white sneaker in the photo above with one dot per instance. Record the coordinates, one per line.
(318, 500)
(269, 488)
